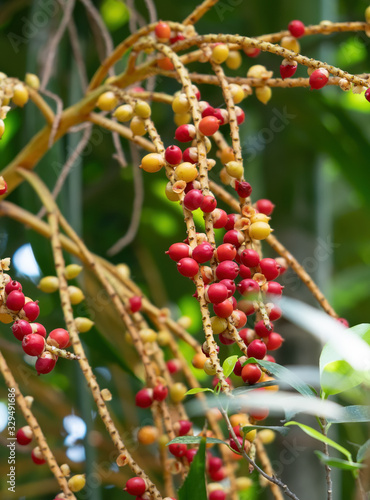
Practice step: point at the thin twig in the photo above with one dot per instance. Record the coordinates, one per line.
(329, 482)
(199, 12)
(57, 117)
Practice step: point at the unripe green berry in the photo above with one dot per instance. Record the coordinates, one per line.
(177, 392)
(2, 128)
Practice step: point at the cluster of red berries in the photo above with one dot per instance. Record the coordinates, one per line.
(24, 437)
(24, 312)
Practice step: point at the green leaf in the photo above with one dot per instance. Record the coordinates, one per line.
(196, 390)
(228, 365)
(363, 451)
(285, 375)
(320, 437)
(339, 463)
(336, 374)
(195, 440)
(353, 413)
(194, 486)
(282, 430)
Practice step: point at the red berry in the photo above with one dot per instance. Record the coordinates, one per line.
(185, 133)
(275, 312)
(163, 32)
(33, 344)
(21, 328)
(4, 187)
(248, 288)
(270, 268)
(217, 293)
(178, 449)
(257, 349)
(244, 272)
(296, 28)
(265, 206)
(219, 218)
(188, 267)
(135, 303)
(249, 257)
(135, 486)
(251, 373)
(218, 475)
(272, 288)
(270, 358)
(233, 444)
(343, 321)
(217, 494)
(261, 329)
(209, 203)
(246, 306)
(203, 252)
(144, 398)
(252, 51)
(319, 78)
(193, 199)
(190, 454)
(231, 219)
(24, 435)
(60, 336)
(367, 97)
(173, 366)
(15, 301)
(39, 329)
(177, 38)
(214, 464)
(247, 335)
(13, 285)
(239, 366)
(230, 285)
(227, 251)
(259, 414)
(234, 237)
(240, 115)
(37, 456)
(190, 155)
(274, 341)
(244, 189)
(223, 309)
(160, 392)
(209, 125)
(45, 363)
(287, 70)
(179, 251)
(239, 318)
(183, 427)
(173, 155)
(227, 270)
(31, 310)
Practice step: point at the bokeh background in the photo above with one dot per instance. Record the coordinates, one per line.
(315, 169)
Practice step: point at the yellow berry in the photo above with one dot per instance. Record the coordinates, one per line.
(148, 335)
(147, 435)
(65, 469)
(2, 128)
(123, 270)
(266, 378)
(72, 271)
(239, 419)
(152, 162)
(32, 81)
(20, 95)
(243, 483)
(260, 218)
(250, 436)
(198, 360)
(142, 109)
(235, 169)
(83, 325)
(180, 104)
(227, 155)
(257, 71)
(163, 338)
(186, 171)
(220, 53)
(234, 59)
(5, 318)
(177, 392)
(77, 482)
(107, 101)
(259, 230)
(162, 441)
(75, 295)
(367, 14)
(49, 284)
(124, 113)
(263, 94)
(218, 325)
(267, 436)
(182, 119)
(290, 43)
(185, 322)
(209, 368)
(137, 126)
(169, 192)
(237, 93)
